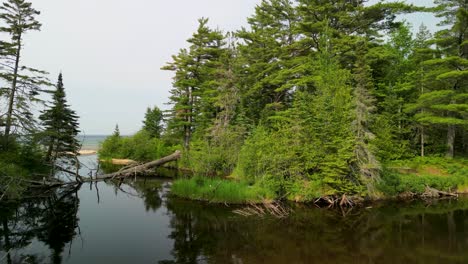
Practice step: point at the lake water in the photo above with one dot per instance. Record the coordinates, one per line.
(91, 142)
(139, 222)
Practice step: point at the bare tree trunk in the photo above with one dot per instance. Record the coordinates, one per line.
(11, 101)
(450, 141)
(422, 141)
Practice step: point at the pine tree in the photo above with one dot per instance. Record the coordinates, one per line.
(267, 55)
(422, 52)
(18, 18)
(60, 128)
(444, 103)
(194, 82)
(394, 88)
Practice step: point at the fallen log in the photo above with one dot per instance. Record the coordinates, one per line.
(140, 168)
(434, 193)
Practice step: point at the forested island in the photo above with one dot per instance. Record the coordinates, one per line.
(314, 101)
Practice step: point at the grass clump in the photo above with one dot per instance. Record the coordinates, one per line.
(220, 191)
(414, 175)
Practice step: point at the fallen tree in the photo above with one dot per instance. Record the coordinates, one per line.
(140, 169)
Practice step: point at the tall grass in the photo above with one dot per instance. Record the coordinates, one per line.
(436, 172)
(220, 191)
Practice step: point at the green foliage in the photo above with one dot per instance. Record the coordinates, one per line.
(21, 161)
(195, 82)
(218, 153)
(60, 128)
(413, 175)
(140, 147)
(153, 122)
(312, 144)
(220, 191)
(24, 84)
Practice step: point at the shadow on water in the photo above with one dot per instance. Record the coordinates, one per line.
(140, 222)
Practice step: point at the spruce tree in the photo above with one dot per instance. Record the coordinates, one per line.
(24, 83)
(60, 128)
(153, 121)
(367, 164)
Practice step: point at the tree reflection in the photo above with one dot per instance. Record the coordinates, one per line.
(413, 233)
(51, 219)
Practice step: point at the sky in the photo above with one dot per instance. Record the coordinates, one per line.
(110, 51)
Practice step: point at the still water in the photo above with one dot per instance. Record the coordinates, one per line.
(139, 222)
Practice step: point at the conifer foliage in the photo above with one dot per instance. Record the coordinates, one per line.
(18, 17)
(322, 98)
(60, 127)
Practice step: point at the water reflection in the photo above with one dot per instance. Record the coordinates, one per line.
(170, 230)
(50, 218)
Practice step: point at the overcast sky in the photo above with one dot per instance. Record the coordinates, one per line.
(110, 51)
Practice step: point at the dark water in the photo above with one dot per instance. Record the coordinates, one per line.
(140, 223)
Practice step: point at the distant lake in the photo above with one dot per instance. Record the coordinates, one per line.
(91, 142)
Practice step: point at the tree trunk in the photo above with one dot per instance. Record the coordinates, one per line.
(7, 245)
(141, 168)
(11, 101)
(422, 141)
(450, 141)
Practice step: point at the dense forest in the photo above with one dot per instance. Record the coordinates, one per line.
(312, 99)
(319, 97)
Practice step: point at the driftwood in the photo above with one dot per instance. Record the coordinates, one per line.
(139, 169)
(434, 193)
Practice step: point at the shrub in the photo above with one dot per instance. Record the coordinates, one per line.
(139, 147)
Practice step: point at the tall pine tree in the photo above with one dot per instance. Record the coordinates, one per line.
(444, 105)
(195, 86)
(18, 17)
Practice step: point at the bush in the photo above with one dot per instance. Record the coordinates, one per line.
(139, 147)
(22, 160)
(217, 154)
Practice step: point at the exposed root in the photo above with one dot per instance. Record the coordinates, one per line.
(275, 209)
(336, 201)
(434, 193)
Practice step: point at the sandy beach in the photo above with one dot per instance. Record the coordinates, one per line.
(85, 152)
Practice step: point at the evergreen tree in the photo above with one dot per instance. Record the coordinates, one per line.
(60, 128)
(421, 53)
(394, 88)
(195, 82)
(153, 121)
(368, 166)
(444, 103)
(18, 18)
(267, 55)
